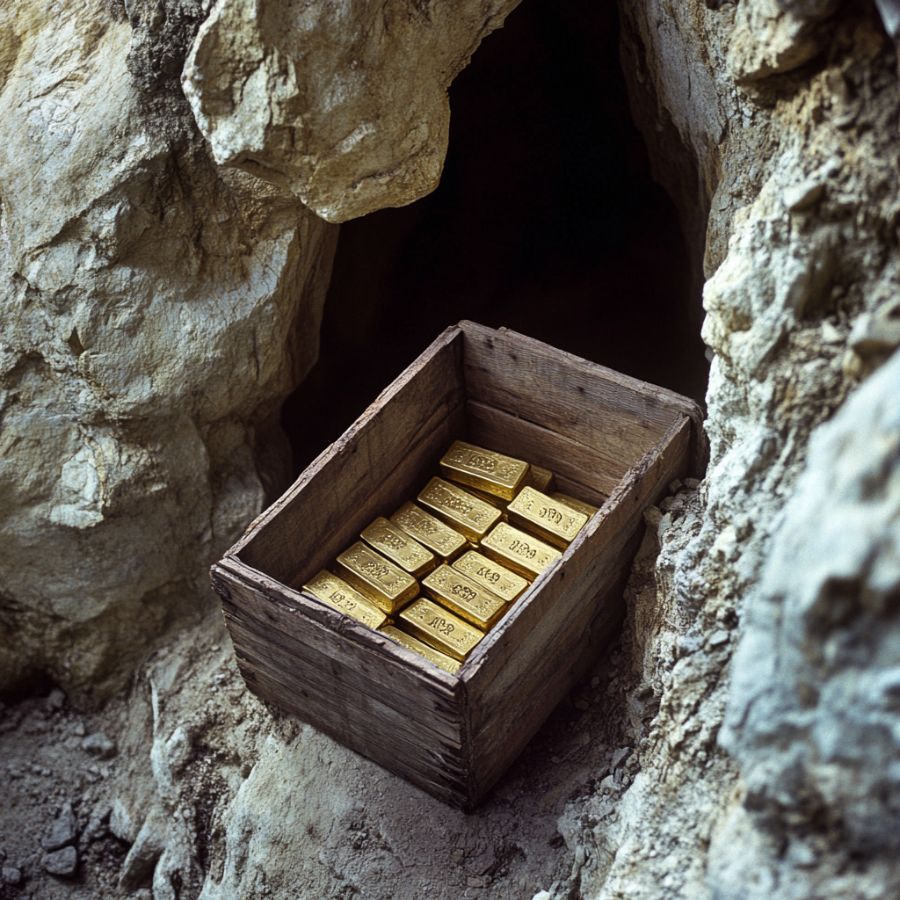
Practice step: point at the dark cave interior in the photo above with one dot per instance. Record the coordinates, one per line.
(546, 221)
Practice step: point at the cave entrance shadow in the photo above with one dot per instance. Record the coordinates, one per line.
(546, 221)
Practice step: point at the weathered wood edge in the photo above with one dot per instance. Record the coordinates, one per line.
(688, 407)
(444, 339)
(335, 621)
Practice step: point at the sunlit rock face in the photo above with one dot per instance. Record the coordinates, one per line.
(156, 311)
(345, 104)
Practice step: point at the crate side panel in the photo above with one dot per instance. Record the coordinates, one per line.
(621, 418)
(369, 470)
(353, 657)
(532, 660)
(589, 474)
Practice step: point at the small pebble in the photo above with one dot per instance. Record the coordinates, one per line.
(11, 875)
(99, 745)
(61, 862)
(718, 638)
(55, 701)
(63, 830)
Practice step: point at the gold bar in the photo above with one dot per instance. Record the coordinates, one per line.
(338, 594)
(463, 596)
(483, 469)
(491, 575)
(541, 479)
(440, 628)
(441, 539)
(575, 503)
(519, 551)
(496, 502)
(385, 584)
(465, 512)
(435, 656)
(399, 547)
(550, 519)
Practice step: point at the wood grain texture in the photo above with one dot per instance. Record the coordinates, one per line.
(518, 674)
(368, 471)
(620, 417)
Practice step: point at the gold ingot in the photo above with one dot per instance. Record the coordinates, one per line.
(521, 552)
(541, 479)
(435, 656)
(550, 519)
(491, 575)
(399, 547)
(496, 502)
(338, 594)
(463, 596)
(575, 503)
(441, 539)
(465, 512)
(441, 629)
(484, 470)
(385, 584)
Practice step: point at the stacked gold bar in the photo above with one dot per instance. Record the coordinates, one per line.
(442, 571)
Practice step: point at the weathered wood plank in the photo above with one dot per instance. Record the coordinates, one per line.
(591, 471)
(516, 676)
(365, 472)
(620, 417)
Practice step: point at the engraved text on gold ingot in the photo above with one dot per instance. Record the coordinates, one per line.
(387, 585)
(463, 596)
(521, 552)
(496, 578)
(436, 626)
(575, 503)
(441, 539)
(407, 640)
(337, 593)
(465, 512)
(486, 470)
(399, 547)
(547, 518)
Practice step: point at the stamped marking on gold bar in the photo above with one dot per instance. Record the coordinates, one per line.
(465, 512)
(527, 555)
(435, 656)
(440, 628)
(338, 594)
(426, 529)
(491, 575)
(575, 503)
(463, 596)
(491, 472)
(385, 584)
(547, 518)
(399, 547)
(541, 479)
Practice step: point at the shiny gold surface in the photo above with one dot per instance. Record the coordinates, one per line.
(496, 502)
(521, 552)
(385, 584)
(463, 596)
(440, 628)
(483, 469)
(338, 594)
(465, 512)
(491, 575)
(407, 640)
(541, 479)
(399, 547)
(575, 503)
(548, 518)
(441, 539)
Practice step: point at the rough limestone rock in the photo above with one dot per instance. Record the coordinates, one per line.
(156, 310)
(345, 104)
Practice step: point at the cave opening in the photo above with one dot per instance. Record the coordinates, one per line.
(546, 220)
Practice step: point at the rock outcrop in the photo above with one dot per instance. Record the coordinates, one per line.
(156, 311)
(345, 104)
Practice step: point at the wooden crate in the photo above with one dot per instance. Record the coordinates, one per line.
(603, 434)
